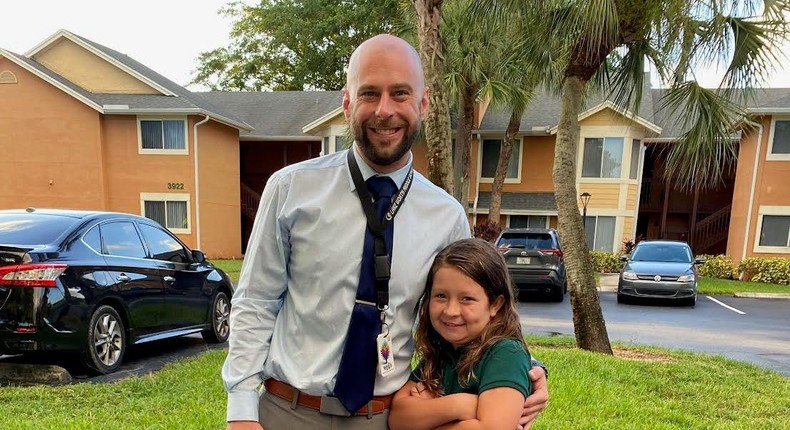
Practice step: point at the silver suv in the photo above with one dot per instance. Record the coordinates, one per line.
(534, 261)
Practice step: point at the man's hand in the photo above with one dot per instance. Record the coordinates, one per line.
(536, 401)
(243, 425)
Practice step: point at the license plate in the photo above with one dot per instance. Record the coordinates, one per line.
(522, 260)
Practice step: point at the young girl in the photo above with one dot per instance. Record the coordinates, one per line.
(474, 364)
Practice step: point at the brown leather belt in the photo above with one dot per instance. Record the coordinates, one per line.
(378, 405)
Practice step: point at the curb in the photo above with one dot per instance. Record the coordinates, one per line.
(779, 296)
(19, 374)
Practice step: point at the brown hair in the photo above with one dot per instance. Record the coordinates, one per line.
(480, 261)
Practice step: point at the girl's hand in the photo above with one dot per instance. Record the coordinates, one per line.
(419, 390)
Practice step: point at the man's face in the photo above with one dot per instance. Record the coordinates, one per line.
(384, 105)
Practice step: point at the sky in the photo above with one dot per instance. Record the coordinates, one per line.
(167, 35)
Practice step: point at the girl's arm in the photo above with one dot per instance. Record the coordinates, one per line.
(417, 412)
(497, 409)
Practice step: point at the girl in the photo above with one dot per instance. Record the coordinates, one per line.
(474, 363)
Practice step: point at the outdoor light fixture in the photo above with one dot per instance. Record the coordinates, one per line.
(585, 199)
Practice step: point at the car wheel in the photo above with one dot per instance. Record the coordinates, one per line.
(557, 294)
(106, 343)
(621, 298)
(691, 301)
(220, 320)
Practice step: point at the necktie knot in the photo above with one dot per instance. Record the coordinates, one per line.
(382, 187)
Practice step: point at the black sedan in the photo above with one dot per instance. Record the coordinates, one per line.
(659, 269)
(95, 282)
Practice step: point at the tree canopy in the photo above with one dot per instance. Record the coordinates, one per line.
(292, 44)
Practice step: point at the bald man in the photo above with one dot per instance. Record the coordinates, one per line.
(302, 291)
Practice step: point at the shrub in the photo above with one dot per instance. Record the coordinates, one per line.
(606, 262)
(488, 230)
(717, 266)
(768, 270)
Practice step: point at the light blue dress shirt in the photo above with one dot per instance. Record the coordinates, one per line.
(298, 283)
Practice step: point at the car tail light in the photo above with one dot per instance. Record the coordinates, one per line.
(31, 275)
(552, 251)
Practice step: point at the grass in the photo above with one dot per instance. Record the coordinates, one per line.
(231, 267)
(661, 390)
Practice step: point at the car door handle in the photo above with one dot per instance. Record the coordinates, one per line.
(169, 279)
(123, 278)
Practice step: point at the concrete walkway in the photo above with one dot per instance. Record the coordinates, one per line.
(608, 283)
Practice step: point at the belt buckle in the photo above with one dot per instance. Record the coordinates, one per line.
(331, 405)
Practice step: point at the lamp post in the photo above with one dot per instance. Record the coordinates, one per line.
(585, 199)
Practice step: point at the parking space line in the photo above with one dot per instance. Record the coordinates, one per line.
(726, 306)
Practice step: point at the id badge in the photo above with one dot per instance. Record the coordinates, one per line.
(386, 360)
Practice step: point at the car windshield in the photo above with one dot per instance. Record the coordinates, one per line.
(661, 252)
(32, 229)
(528, 240)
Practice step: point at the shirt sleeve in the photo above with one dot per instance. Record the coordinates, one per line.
(255, 305)
(506, 364)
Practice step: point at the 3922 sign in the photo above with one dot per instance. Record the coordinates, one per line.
(175, 185)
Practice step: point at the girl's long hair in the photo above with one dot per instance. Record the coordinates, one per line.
(480, 261)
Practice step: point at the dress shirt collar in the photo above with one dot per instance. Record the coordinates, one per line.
(398, 176)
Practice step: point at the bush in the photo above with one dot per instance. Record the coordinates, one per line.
(606, 262)
(717, 266)
(768, 270)
(488, 230)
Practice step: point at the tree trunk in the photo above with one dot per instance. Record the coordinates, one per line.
(505, 153)
(588, 321)
(437, 121)
(463, 143)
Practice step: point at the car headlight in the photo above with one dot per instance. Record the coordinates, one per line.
(686, 278)
(629, 275)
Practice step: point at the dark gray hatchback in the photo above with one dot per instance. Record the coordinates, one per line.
(534, 260)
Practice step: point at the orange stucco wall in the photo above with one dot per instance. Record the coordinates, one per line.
(770, 190)
(537, 158)
(88, 70)
(50, 145)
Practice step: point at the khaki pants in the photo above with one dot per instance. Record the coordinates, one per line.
(276, 414)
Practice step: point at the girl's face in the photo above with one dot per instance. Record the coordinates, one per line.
(458, 306)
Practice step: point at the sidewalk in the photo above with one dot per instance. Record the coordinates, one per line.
(608, 284)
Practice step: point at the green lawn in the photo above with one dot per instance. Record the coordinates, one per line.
(670, 390)
(231, 267)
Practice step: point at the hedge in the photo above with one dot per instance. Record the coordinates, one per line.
(769, 270)
(717, 266)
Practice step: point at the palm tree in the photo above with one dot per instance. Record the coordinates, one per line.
(620, 37)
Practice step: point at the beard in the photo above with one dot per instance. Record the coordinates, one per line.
(376, 154)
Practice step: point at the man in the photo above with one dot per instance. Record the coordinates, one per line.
(307, 262)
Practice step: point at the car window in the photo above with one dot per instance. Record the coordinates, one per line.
(93, 239)
(121, 239)
(33, 229)
(667, 253)
(162, 245)
(527, 240)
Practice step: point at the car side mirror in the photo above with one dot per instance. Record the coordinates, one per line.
(198, 256)
(623, 258)
(699, 260)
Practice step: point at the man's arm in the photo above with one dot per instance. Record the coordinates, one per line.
(536, 401)
(255, 305)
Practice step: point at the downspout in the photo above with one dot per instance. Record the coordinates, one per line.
(197, 181)
(477, 184)
(754, 185)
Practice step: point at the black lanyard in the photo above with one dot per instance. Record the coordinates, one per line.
(382, 260)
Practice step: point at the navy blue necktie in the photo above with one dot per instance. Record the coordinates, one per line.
(357, 373)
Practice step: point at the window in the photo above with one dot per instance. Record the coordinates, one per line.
(340, 143)
(93, 239)
(603, 157)
(600, 233)
(635, 148)
(491, 158)
(528, 221)
(169, 210)
(121, 239)
(162, 245)
(163, 135)
(775, 230)
(780, 144)
(325, 145)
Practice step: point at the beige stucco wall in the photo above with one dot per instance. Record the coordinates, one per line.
(50, 145)
(88, 70)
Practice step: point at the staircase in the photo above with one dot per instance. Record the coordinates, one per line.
(249, 201)
(712, 229)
